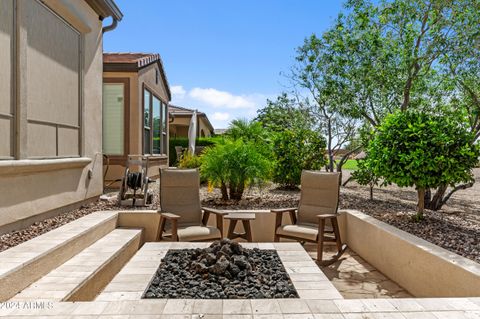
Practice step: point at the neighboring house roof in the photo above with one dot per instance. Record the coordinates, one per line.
(133, 62)
(183, 111)
(106, 8)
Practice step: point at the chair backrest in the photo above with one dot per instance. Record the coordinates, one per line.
(319, 195)
(179, 194)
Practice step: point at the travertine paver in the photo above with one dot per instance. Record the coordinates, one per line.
(287, 308)
(354, 278)
(62, 281)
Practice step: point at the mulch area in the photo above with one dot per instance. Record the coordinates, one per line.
(455, 228)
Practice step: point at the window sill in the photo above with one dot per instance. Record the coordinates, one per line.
(16, 167)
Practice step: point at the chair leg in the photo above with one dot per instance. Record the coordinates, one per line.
(321, 229)
(336, 230)
(161, 227)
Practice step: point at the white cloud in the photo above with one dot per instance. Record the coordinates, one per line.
(178, 91)
(218, 98)
(219, 116)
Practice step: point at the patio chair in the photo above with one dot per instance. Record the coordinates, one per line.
(180, 206)
(318, 204)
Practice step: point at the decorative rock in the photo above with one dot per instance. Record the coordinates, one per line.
(225, 270)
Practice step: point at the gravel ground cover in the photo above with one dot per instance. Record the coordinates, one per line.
(456, 227)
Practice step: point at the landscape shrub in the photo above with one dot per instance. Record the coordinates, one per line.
(183, 141)
(233, 165)
(422, 150)
(294, 150)
(190, 161)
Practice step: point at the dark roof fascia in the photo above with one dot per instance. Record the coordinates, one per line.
(106, 8)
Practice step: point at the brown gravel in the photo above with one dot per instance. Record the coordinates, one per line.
(456, 227)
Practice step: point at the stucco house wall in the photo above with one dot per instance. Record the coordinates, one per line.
(47, 171)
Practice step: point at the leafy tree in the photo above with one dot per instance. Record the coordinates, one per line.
(234, 165)
(296, 145)
(365, 176)
(296, 150)
(285, 113)
(422, 150)
(316, 72)
(406, 54)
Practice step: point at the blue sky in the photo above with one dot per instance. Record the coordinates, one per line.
(223, 57)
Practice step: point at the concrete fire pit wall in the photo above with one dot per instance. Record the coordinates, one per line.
(422, 268)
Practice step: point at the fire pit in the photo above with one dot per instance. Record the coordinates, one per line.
(225, 270)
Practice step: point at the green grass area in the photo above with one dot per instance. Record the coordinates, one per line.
(350, 164)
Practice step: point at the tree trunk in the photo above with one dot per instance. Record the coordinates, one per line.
(371, 192)
(437, 201)
(421, 203)
(223, 188)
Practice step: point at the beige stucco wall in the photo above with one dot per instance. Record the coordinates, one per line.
(26, 193)
(422, 268)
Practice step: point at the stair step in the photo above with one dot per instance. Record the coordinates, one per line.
(22, 265)
(82, 277)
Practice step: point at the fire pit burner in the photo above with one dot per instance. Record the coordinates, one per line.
(225, 270)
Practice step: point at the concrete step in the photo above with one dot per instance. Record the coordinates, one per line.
(82, 277)
(24, 264)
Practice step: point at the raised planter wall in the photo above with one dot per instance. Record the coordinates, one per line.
(422, 268)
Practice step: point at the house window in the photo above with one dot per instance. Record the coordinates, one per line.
(157, 125)
(154, 141)
(147, 122)
(164, 128)
(113, 118)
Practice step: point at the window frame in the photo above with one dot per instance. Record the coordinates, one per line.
(163, 151)
(120, 159)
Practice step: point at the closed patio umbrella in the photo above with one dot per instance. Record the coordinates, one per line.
(192, 133)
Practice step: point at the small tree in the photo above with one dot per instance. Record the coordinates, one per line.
(365, 176)
(295, 150)
(422, 150)
(233, 165)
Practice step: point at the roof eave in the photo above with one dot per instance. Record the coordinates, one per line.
(106, 8)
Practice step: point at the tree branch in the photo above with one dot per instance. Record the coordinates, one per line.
(455, 189)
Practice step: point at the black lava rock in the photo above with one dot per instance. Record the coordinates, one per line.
(225, 270)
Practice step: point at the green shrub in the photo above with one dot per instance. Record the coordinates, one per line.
(183, 142)
(295, 150)
(422, 150)
(234, 165)
(190, 161)
(251, 132)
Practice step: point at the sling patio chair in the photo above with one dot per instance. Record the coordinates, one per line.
(180, 206)
(318, 204)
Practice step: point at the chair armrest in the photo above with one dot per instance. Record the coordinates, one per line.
(219, 217)
(284, 210)
(326, 216)
(169, 216)
(214, 211)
